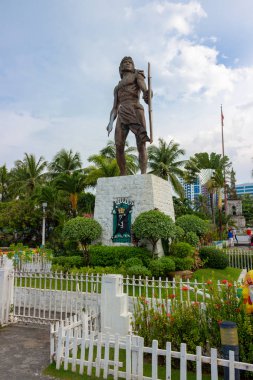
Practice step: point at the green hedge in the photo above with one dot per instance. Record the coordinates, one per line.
(116, 256)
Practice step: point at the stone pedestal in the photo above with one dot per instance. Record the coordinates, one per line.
(136, 193)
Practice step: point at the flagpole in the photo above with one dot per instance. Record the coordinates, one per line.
(223, 155)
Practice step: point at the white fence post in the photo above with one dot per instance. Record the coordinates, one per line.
(6, 290)
(115, 318)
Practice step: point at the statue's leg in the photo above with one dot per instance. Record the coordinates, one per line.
(121, 133)
(143, 157)
(141, 138)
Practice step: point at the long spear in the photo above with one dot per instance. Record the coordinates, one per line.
(150, 115)
(223, 154)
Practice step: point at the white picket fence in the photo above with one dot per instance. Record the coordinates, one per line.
(76, 347)
(240, 258)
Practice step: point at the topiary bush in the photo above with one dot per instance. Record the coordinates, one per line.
(138, 270)
(83, 231)
(213, 257)
(182, 249)
(217, 261)
(185, 263)
(205, 252)
(192, 238)
(192, 223)
(162, 266)
(153, 225)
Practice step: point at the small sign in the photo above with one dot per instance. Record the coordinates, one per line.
(122, 213)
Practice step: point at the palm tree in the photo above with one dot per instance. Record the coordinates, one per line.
(216, 166)
(164, 162)
(73, 184)
(28, 173)
(4, 183)
(132, 164)
(65, 162)
(103, 167)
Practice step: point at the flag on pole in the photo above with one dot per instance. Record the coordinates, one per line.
(222, 117)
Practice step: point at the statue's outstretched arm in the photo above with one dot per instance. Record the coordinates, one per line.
(113, 113)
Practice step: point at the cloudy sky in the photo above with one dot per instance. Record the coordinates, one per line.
(59, 64)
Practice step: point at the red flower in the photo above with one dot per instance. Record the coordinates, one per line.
(168, 315)
(230, 284)
(185, 287)
(224, 281)
(171, 296)
(209, 282)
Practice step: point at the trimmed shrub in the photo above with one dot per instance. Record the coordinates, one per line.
(182, 250)
(138, 270)
(213, 257)
(205, 252)
(168, 265)
(192, 238)
(161, 267)
(217, 261)
(185, 263)
(192, 223)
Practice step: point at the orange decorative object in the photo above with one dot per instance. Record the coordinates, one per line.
(247, 292)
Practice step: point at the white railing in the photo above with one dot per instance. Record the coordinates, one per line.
(240, 258)
(54, 296)
(43, 297)
(182, 290)
(88, 351)
(35, 263)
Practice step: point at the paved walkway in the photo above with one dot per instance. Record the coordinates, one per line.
(24, 352)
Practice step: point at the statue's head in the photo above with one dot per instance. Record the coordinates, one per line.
(126, 64)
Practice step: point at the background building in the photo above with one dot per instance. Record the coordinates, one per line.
(244, 188)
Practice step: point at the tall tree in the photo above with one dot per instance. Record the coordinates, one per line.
(65, 161)
(73, 184)
(4, 183)
(132, 164)
(217, 166)
(164, 161)
(27, 174)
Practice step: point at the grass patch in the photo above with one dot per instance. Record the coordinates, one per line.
(230, 274)
(69, 375)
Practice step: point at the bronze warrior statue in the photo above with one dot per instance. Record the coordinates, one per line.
(129, 113)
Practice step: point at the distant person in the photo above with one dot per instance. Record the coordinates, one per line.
(230, 238)
(234, 235)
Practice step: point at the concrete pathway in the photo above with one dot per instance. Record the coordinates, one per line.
(24, 352)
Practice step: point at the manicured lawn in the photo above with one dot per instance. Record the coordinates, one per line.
(68, 375)
(230, 274)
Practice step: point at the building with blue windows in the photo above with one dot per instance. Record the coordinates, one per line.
(191, 191)
(244, 188)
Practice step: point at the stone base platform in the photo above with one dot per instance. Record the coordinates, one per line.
(137, 193)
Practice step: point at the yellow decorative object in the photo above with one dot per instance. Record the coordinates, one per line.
(247, 292)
